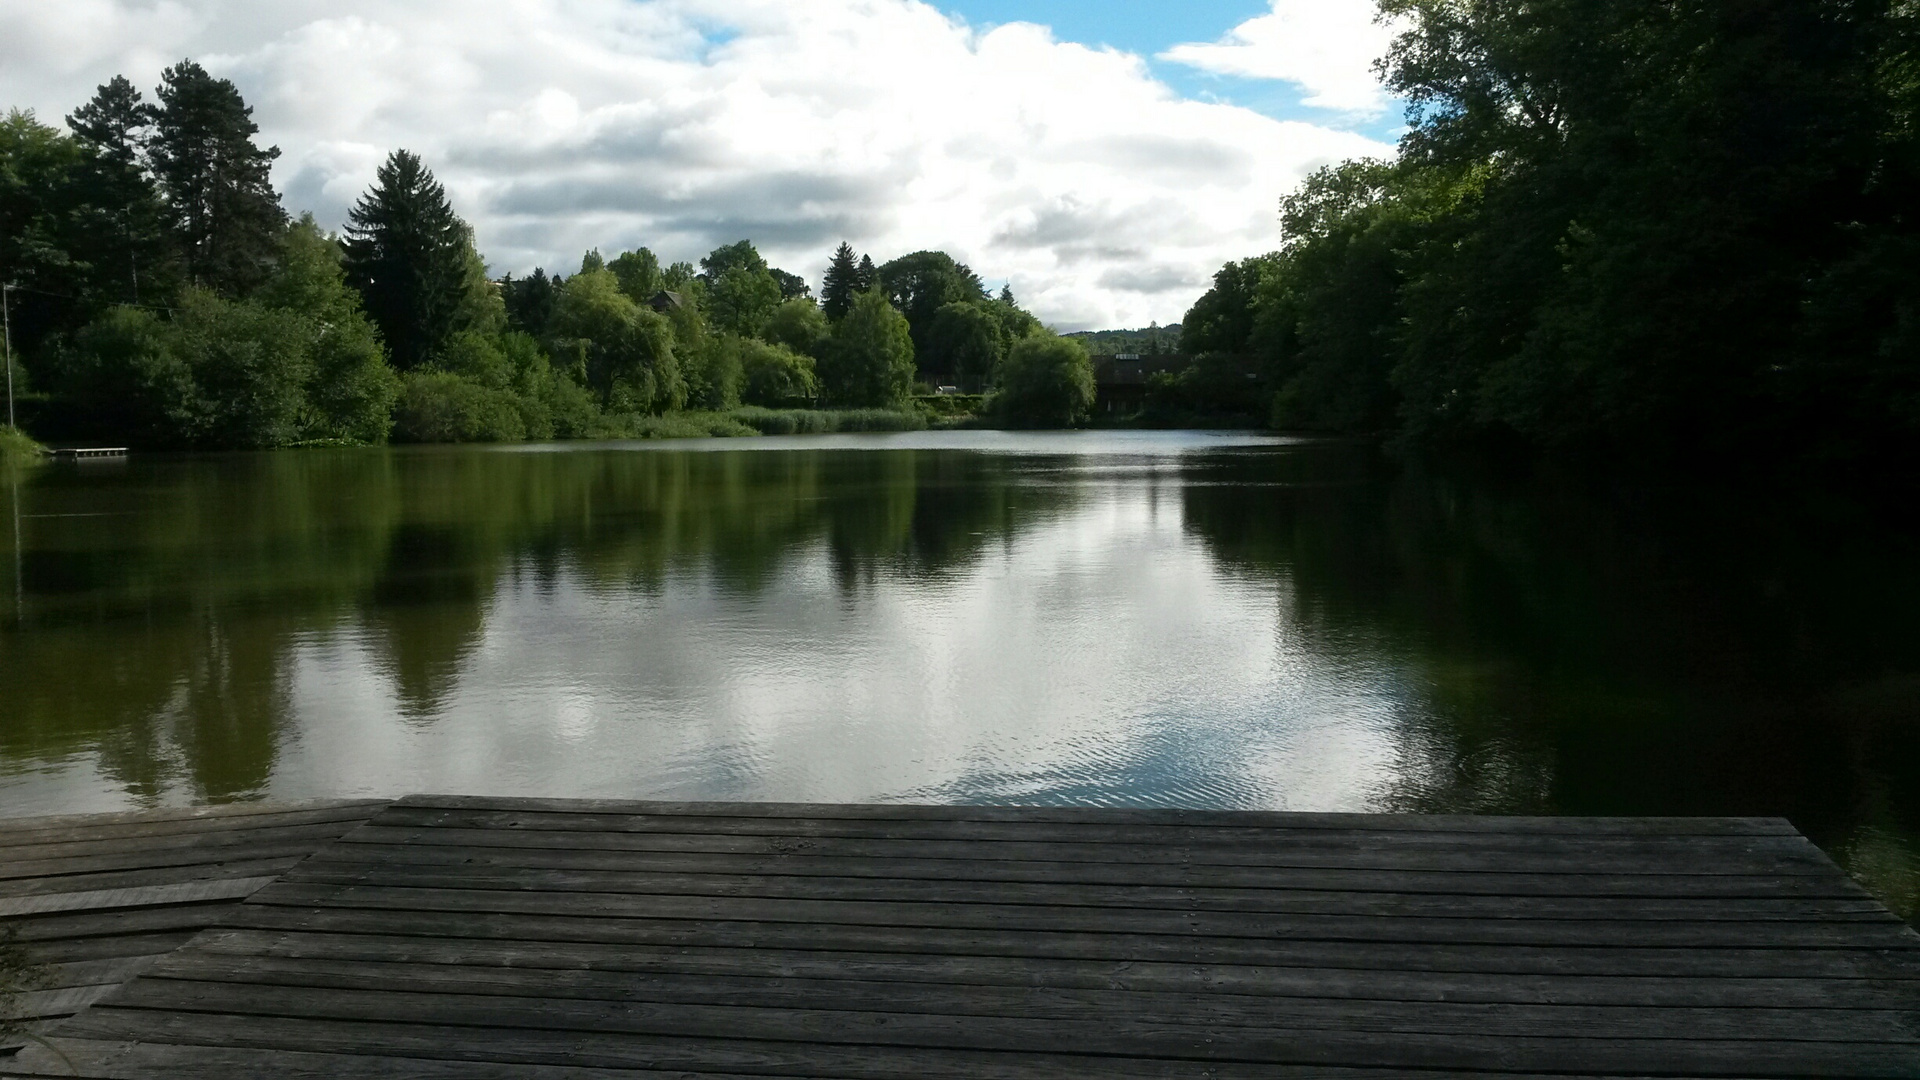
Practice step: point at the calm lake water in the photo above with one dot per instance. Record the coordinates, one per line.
(1107, 619)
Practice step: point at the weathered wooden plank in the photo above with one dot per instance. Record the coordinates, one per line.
(186, 892)
(442, 1051)
(140, 877)
(138, 1061)
(1798, 859)
(822, 1032)
(68, 950)
(1012, 862)
(30, 832)
(43, 1004)
(1168, 1010)
(1151, 977)
(35, 931)
(397, 870)
(1755, 961)
(1245, 819)
(1189, 924)
(110, 972)
(230, 843)
(1091, 832)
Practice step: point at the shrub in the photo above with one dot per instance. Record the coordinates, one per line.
(1045, 381)
(17, 450)
(441, 407)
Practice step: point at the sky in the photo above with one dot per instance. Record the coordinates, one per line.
(1103, 158)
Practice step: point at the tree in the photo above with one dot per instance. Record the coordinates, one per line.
(217, 183)
(350, 397)
(1222, 319)
(740, 289)
(624, 351)
(639, 274)
(410, 256)
(798, 324)
(868, 362)
(38, 166)
(964, 345)
(776, 376)
(1045, 381)
(123, 222)
(529, 301)
(865, 276)
(792, 286)
(922, 283)
(841, 284)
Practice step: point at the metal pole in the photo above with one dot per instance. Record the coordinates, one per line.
(6, 321)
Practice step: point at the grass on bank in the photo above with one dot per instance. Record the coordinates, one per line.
(754, 420)
(17, 450)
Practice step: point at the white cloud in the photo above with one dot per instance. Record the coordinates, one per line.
(560, 125)
(1327, 47)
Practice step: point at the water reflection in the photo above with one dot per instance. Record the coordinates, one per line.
(1137, 619)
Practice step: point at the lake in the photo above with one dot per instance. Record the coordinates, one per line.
(1119, 619)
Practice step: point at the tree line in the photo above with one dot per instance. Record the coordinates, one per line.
(162, 296)
(1680, 229)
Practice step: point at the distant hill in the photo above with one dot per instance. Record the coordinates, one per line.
(1153, 339)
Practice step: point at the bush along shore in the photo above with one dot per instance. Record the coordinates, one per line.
(18, 451)
(165, 299)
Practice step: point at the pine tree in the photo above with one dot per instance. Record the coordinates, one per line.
(1006, 295)
(866, 277)
(125, 232)
(408, 255)
(217, 183)
(837, 289)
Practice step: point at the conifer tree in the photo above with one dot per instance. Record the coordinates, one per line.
(219, 193)
(866, 277)
(124, 229)
(409, 255)
(1006, 295)
(842, 282)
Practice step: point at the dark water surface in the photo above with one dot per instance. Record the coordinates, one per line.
(1112, 619)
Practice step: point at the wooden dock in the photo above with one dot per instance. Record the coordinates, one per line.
(488, 938)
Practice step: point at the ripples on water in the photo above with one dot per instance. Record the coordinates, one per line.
(1095, 619)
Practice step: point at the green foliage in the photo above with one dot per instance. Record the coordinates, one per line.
(1155, 340)
(841, 284)
(442, 407)
(775, 375)
(295, 364)
(1045, 381)
(216, 181)
(529, 302)
(740, 290)
(412, 259)
(715, 373)
(639, 274)
(826, 421)
(922, 283)
(623, 351)
(1212, 390)
(17, 451)
(799, 324)
(686, 425)
(1666, 229)
(868, 362)
(1222, 320)
(120, 226)
(964, 345)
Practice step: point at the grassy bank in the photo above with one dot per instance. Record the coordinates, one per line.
(17, 450)
(824, 421)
